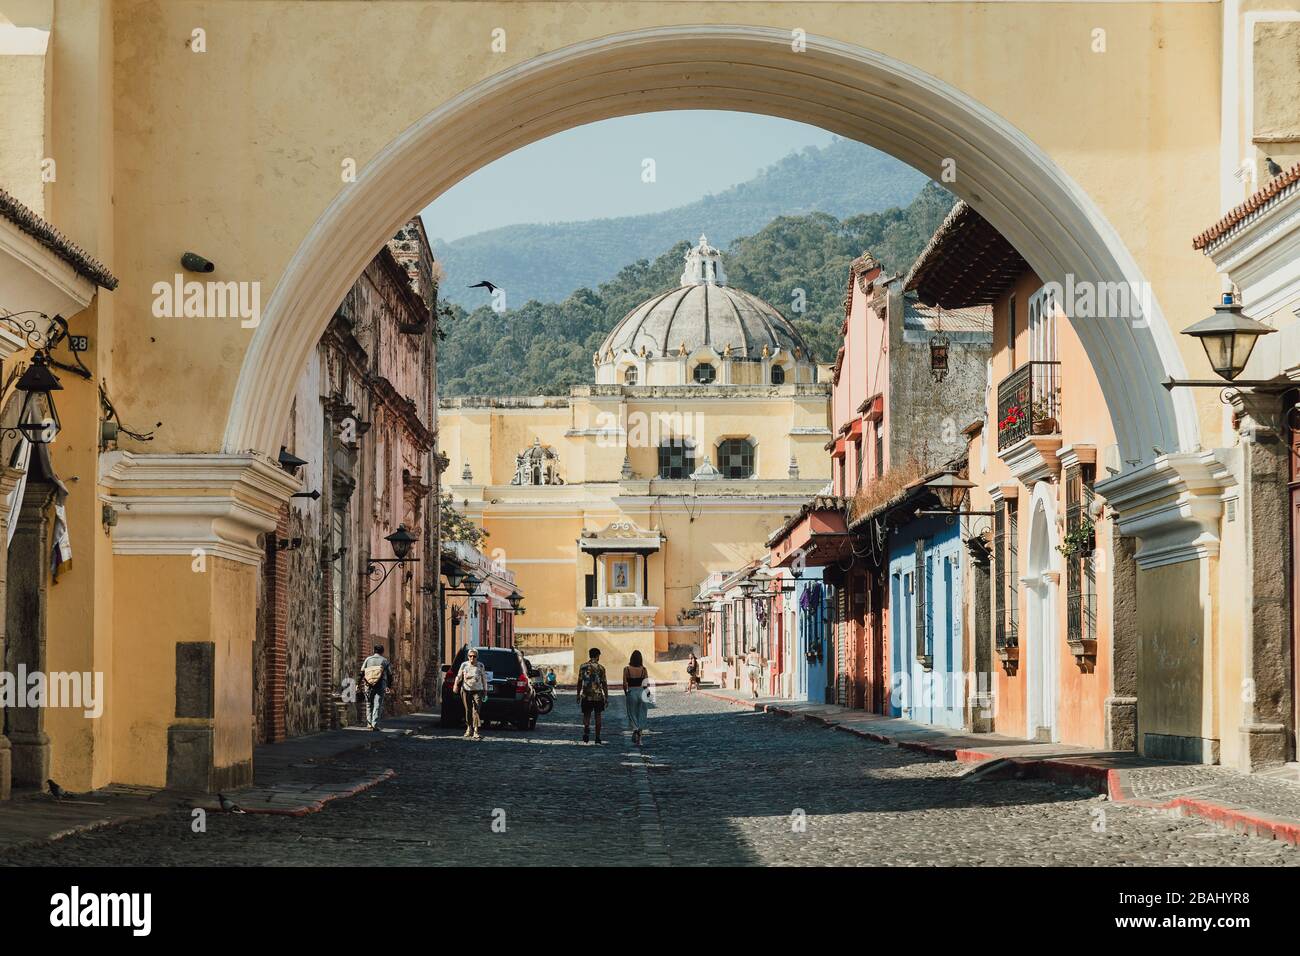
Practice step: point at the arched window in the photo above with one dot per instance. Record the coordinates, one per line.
(778, 374)
(705, 373)
(630, 375)
(676, 458)
(736, 458)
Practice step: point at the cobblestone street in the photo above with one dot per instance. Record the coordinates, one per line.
(713, 785)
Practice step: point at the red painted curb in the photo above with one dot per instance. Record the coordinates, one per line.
(1101, 780)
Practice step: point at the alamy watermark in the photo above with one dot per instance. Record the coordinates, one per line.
(57, 689)
(212, 299)
(1086, 299)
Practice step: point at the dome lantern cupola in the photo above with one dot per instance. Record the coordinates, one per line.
(704, 332)
(704, 265)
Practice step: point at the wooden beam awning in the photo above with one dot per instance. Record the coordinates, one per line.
(967, 262)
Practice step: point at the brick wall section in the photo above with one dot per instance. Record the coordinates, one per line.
(275, 655)
(327, 688)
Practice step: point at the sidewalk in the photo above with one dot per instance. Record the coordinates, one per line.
(1263, 804)
(294, 778)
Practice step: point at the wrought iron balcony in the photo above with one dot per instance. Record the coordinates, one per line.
(1029, 403)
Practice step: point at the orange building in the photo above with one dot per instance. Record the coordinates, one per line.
(1048, 563)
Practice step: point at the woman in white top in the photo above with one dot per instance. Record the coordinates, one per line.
(471, 682)
(634, 695)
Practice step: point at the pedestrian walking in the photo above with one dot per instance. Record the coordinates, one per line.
(692, 673)
(377, 675)
(471, 684)
(634, 695)
(754, 661)
(593, 693)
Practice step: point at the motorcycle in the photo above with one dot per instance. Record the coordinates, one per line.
(545, 696)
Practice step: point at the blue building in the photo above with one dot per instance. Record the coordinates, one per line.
(925, 587)
(812, 627)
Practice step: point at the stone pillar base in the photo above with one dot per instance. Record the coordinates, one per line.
(1121, 723)
(1203, 750)
(190, 763)
(30, 760)
(981, 714)
(1263, 746)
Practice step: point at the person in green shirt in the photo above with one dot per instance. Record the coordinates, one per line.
(593, 693)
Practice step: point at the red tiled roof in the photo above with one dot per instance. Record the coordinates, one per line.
(816, 503)
(1280, 184)
(43, 232)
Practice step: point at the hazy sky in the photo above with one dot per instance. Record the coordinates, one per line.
(595, 171)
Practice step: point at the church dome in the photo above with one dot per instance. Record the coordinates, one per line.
(704, 312)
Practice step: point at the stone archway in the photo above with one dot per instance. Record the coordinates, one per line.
(841, 87)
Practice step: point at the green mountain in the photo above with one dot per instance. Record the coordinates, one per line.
(547, 261)
(544, 347)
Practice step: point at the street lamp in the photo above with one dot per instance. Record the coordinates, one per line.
(1228, 338)
(38, 418)
(515, 600)
(939, 357)
(401, 541)
(951, 490)
(289, 461)
(454, 574)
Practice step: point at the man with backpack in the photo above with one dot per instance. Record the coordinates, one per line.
(593, 693)
(377, 675)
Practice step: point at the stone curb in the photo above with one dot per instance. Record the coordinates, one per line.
(1072, 772)
(315, 806)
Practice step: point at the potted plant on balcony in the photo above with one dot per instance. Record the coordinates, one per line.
(1044, 415)
(1080, 540)
(1012, 418)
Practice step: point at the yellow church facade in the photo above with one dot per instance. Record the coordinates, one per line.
(705, 431)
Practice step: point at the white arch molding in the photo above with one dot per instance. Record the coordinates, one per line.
(1042, 637)
(840, 87)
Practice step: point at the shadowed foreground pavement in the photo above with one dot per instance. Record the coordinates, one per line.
(712, 785)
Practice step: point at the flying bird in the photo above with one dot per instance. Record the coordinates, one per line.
(1273, 168)
(57, 792)
(230, 806)
(484, 285)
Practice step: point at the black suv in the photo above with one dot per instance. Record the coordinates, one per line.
(510, 698)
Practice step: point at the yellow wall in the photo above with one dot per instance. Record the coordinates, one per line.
(707, 525)
(288, 117)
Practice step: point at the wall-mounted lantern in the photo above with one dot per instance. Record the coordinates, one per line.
(38, 417)
(952, 491)
(1228, 338)
(289, 461)
(938, 357)
(401, 541)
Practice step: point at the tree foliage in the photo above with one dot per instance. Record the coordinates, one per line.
(545, 347)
